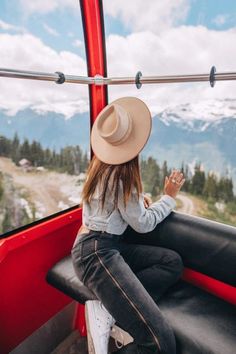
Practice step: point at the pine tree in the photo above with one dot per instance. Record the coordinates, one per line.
(25, 152)
(151, 176)
(77, 159)
(5, 146)
(198, 180)
(164, 172)
(225, 189)
(85, 162)
(187, 184)
(15, 149)
(210, 189)
(36, 153)
(47, 158)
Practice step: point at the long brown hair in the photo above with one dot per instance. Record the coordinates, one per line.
(99, 172)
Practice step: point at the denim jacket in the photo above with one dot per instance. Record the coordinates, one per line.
(115, 221)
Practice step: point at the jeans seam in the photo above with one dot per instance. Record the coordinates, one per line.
(126, 296)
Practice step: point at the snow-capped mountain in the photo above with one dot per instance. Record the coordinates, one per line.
(198, 116)
(201, 132)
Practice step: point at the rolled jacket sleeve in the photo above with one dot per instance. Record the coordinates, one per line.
(144, 220)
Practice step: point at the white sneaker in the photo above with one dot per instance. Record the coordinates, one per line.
(98, 322)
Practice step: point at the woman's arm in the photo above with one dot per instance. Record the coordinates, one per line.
(143, 219)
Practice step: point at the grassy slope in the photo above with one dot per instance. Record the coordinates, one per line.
(208, 210)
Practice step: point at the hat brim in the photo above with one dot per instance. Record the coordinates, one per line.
(141, 129)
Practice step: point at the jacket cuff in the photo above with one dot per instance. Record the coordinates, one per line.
(169, 201)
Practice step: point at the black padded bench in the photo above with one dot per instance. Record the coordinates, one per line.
(203, 323)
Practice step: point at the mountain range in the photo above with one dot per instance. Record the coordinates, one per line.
(191, 133)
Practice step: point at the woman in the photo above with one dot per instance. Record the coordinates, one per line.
(127, 280)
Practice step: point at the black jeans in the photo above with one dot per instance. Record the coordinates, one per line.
(129, 279)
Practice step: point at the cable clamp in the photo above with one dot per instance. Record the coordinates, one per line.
(98, 80)
(137, 80)
(61, 79)
(212, 77)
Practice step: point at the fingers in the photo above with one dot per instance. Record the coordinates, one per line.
(181, 183)
(173, 183)
(175, 174)
(176, 178)
(166, 180)
(147, 201)
(172, 174)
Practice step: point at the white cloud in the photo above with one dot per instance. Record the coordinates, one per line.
(27, 52)
(151, 15)
(50, 30)
(182, 50)
(46, 6)
(137, 15)
(78, 43)
(9, 27)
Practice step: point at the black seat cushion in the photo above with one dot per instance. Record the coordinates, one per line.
(62, 276)
(203, 324)
(206, 246)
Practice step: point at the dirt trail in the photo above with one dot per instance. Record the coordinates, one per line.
(49, 191)
(188, 205)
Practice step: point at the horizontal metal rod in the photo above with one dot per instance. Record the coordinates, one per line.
(99, 80)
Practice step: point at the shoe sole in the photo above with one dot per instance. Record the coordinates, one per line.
(91, 348)
(121, 336)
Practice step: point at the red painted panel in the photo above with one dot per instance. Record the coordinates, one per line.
(213, 286)
(26, 300)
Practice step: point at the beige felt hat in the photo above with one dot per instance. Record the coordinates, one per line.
(121, 130)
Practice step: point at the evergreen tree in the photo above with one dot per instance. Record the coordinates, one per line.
(151, 176)
(77, 157)
(15, 149)
(54, 159)
(47, 158)
(198, 180)
(164, 172)
(84, 162)
(225, 189)
(210, 188)
(25, 150)
(5, 146)
(185, 171)
(36, 153)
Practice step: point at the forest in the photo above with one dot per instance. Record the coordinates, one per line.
(70, 159)
(73, 160)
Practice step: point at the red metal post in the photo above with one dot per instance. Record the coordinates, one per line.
(93, 24)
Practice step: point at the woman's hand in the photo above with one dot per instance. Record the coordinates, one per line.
(173, 183)
(147, 201)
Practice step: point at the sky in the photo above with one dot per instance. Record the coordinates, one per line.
(155, 37)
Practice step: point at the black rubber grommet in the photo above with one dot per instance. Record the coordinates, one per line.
(61, 78)
(137, 80)
(212, 78)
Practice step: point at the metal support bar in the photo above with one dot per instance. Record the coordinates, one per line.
(100, 80)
